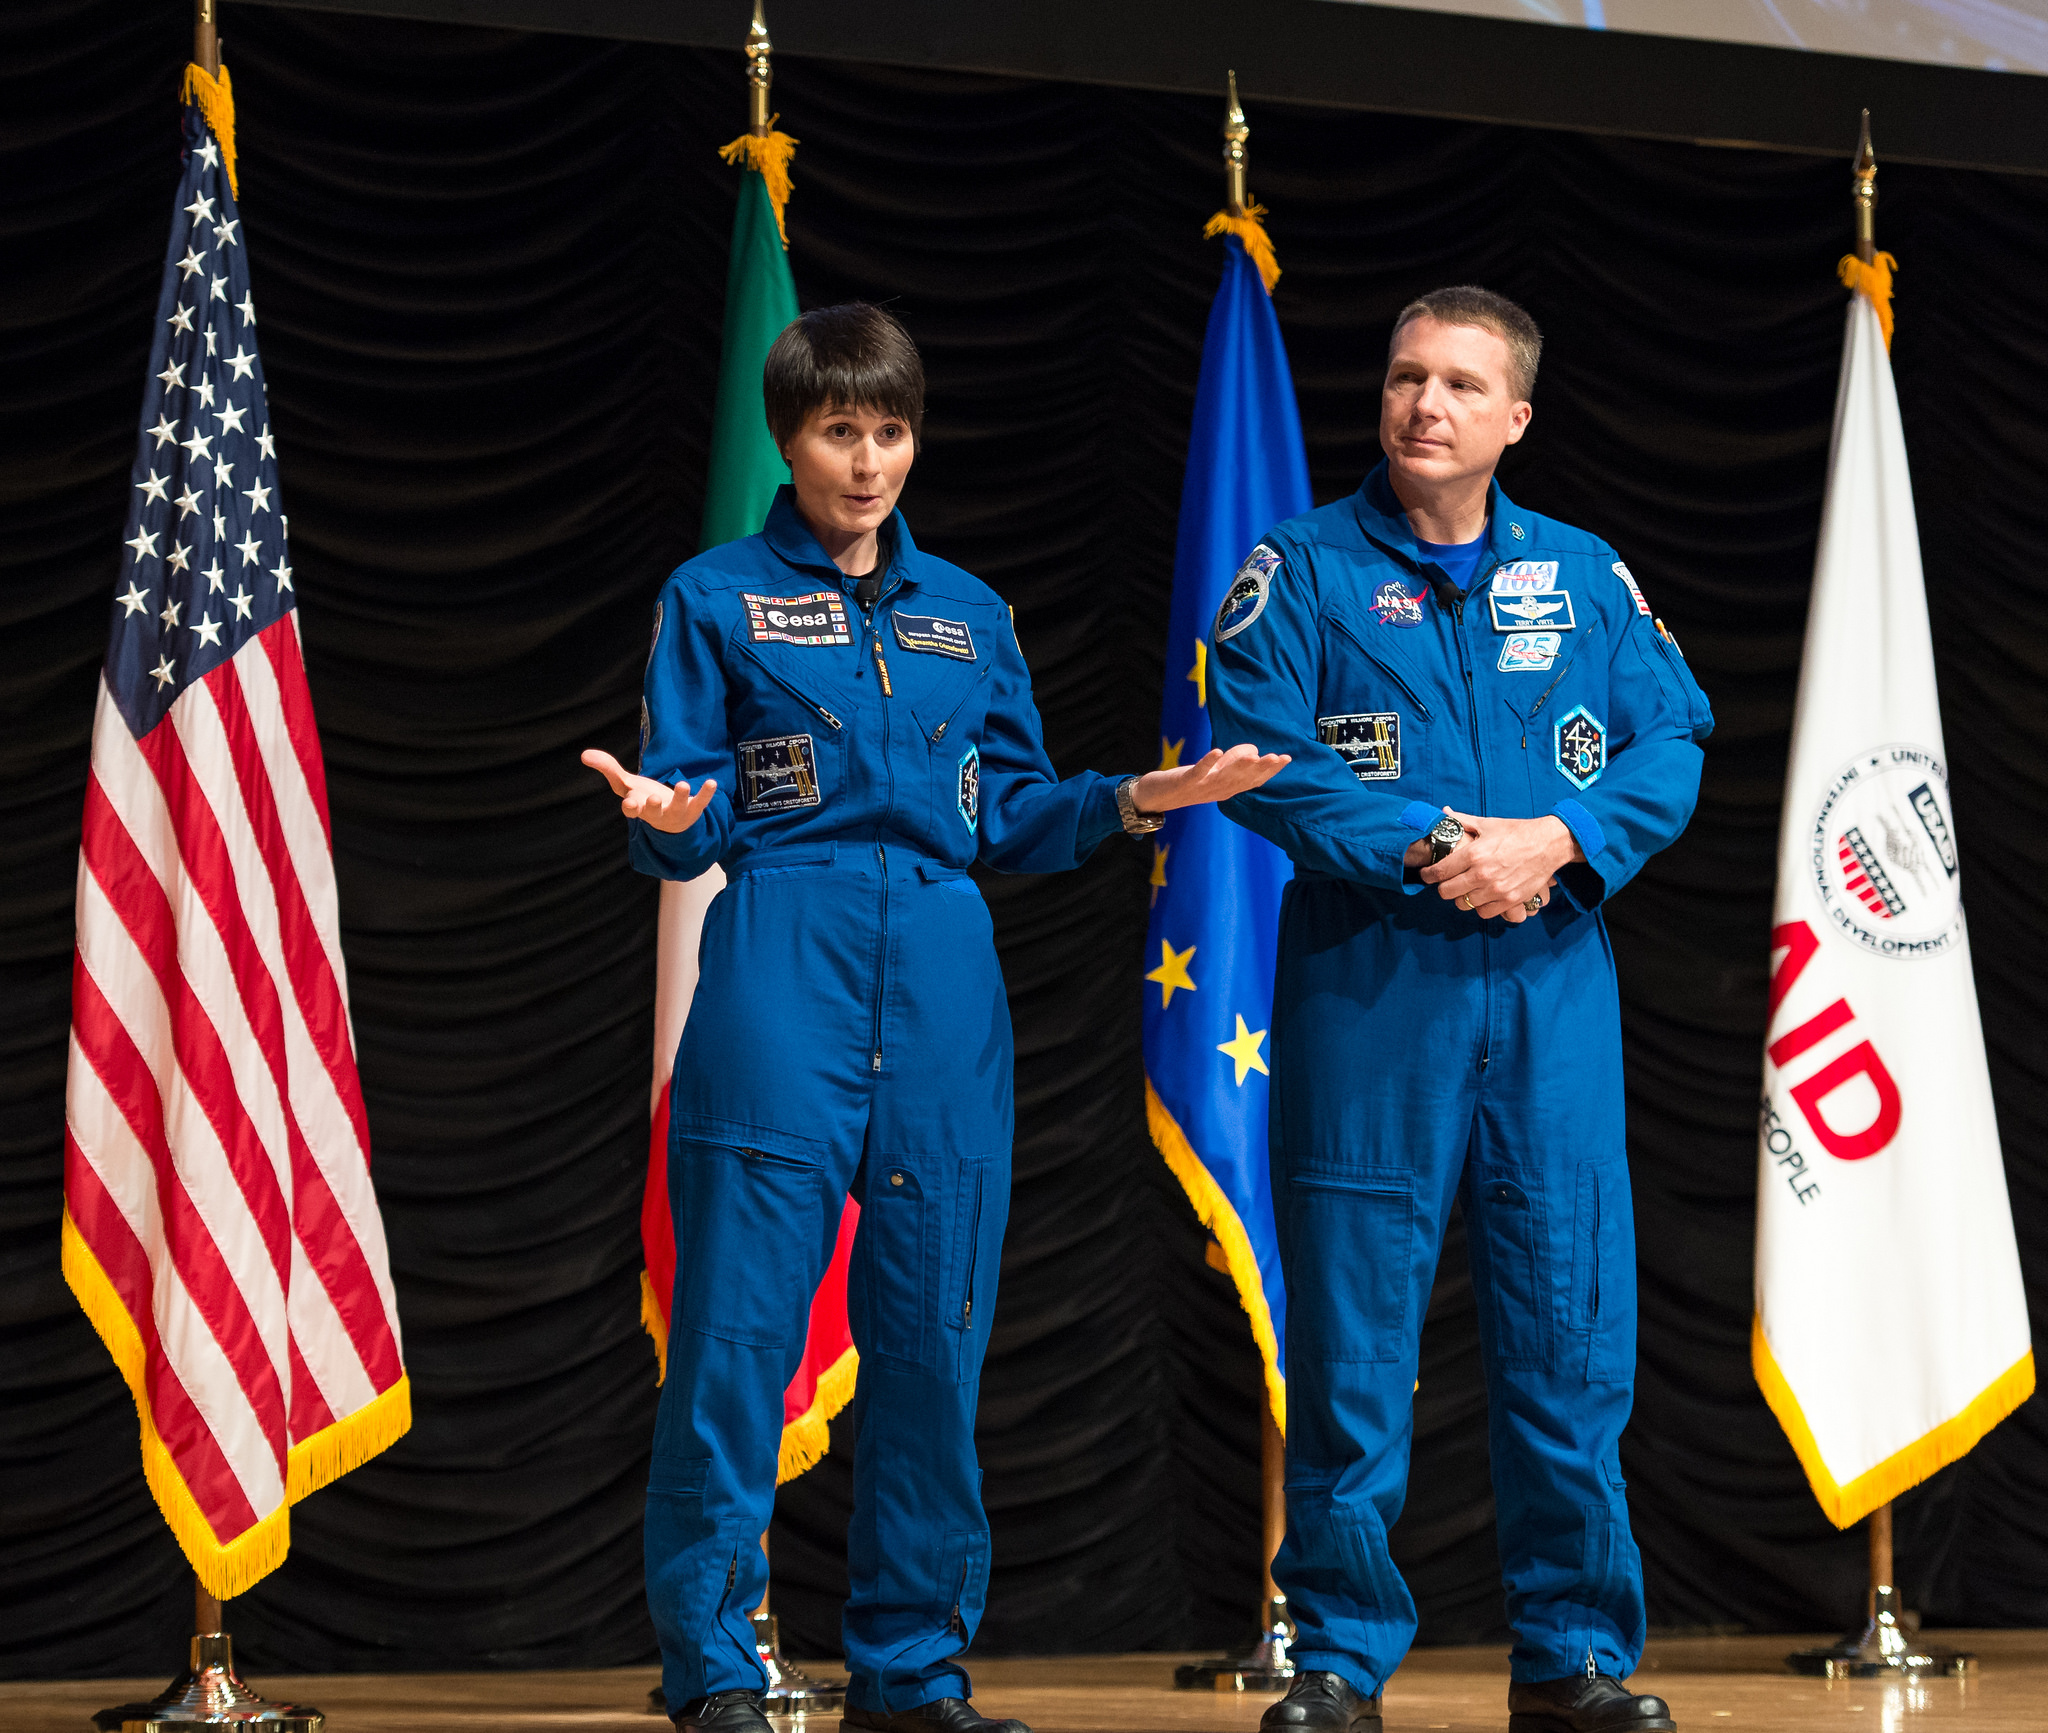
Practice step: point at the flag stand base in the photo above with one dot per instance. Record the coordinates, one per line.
(1883, 1651)
(1266, 1666)
(791, 1691)
(208, 1697)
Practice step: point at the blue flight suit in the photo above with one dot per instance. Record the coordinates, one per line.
(849, 1033)
(1421, 1054)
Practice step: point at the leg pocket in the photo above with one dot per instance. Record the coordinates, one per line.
(1508, 1241)
(732, 1203)
(980, 1207)
(895, 1258)
(1352, 1243)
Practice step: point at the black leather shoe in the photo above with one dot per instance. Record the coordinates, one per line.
(1322, 1703)
(1585, 1703)
(722, 1712)
(942, 1715)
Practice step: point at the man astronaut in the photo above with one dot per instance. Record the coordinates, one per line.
(858, 721)
(1491, 734)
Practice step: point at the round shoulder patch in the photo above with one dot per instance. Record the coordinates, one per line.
(1245, 600)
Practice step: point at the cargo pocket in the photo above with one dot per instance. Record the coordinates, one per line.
(898, 1236)
(1357, 1230)
(972, 1268)
(1603, 1274)
(731, 1201)
(1510, 1241)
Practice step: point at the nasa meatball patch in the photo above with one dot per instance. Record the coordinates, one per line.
(1245, 600)
(1580, 740)
(819, 618)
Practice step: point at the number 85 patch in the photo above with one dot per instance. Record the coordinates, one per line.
(1580, 741)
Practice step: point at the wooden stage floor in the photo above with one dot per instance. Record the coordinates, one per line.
(1736, 1684)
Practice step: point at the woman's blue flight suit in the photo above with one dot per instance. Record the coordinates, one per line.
(1421, 1054)
(849, 1033)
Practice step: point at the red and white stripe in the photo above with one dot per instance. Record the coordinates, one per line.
(217, 1151)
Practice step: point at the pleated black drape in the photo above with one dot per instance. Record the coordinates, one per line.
(489, 270)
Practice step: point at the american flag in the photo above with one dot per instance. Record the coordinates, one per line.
(220, 1228)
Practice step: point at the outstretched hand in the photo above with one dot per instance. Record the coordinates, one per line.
(1216, 775)
(1504, 865)
(670, 809)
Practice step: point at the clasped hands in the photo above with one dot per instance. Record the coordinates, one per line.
(1216, 775)
(1505, 866)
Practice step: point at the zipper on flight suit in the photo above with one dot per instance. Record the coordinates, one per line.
(1479, 757)
(874, 637)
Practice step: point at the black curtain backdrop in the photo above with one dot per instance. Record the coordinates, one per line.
(489, 269)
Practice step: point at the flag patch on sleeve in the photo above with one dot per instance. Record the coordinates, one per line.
(1622, 572)
(819, 618)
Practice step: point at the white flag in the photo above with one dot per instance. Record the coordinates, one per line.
(1891, 1324)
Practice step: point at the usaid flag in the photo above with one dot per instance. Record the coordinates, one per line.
(1891, 1324)
(1215, 886)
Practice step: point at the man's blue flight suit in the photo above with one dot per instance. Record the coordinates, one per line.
(1421, 1054)
(849, 1033)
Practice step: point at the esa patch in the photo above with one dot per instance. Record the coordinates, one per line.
(934, 636)
(777, 774)
(1392, 605)
(1580, 739)
(970, 789)
(1528, 652)
(1629, 578)
(819, 618)
(1370, 743)
(1552, 613)
(1245, 600)
(1525, 578)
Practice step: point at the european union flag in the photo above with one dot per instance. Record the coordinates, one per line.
(1215, 886)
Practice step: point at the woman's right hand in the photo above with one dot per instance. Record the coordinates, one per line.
(670, 809)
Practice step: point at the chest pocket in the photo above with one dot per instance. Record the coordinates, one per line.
(1564, 717)
(1371, 714)
(789, 744)
(949, 706)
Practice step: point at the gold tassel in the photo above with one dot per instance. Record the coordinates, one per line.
(349, 1442)
(806, 1438)
(1252, 232)
(1873, 281)
(216, 99)
(768, 154)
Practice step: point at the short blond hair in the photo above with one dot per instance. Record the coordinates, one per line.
(1468, 304)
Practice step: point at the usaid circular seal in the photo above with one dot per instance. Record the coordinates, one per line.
(1883, 854)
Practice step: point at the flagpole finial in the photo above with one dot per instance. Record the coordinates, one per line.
(1235, 132)
(206, 37)
(1863, 193)
(759, 76)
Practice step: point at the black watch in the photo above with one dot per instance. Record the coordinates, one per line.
(1444, 836)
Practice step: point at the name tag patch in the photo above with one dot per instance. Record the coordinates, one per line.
(1245, 600)
(1529, 652)
(970, 789)
(1550, 613)
(1580, 741)
(778, 774)
(1526, 578)
(1370, 743)
(934, 636)
(819, 618)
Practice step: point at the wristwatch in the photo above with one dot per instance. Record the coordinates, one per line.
(1136, 823)
(1444, 836)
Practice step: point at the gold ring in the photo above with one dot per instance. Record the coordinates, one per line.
(1535, 903)
(1465, 902)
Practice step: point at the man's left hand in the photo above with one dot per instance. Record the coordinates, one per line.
(1503, 865)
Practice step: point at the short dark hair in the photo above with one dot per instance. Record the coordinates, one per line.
(853, 356)
(1468, 304)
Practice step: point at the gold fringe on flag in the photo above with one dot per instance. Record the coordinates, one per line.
(1873, 281)
(768, 155)
(804, 1439)
(1251, 230)
(216, 99)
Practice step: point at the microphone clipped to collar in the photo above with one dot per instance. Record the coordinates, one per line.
(867, 591)
(1448, 596)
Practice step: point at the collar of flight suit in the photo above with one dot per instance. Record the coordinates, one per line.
(1386, 525)
(790, 538)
